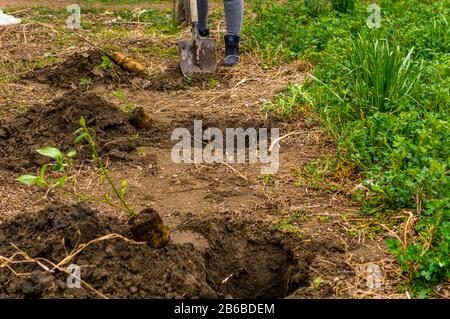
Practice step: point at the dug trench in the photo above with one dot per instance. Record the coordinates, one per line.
(238, 259)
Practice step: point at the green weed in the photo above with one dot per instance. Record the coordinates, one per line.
(343, 6)
(317, 7)
(87, 134)
(319, 281)
(381, 75)
(290, 224)
(106, 63)
(383, 95)
(60, 162)
(86, 81)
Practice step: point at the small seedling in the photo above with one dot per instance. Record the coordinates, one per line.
(106, 63)
(142, 151)
(127, 107)
(319, 281)
(37, 180)
(187, 82)
(323, 218)
(289, 224)
(267, 178)
(87, 134)
(212, 83)
(85, 81)
(119, 94)
(61, 161)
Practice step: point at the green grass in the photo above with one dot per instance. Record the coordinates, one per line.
(290, 224)
(383, 94)
(381, 75)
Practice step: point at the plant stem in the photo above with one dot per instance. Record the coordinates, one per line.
(104, 172)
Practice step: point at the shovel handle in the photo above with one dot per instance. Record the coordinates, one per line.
(194, 10)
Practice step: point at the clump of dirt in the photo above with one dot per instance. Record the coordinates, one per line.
(115, 268)
(241, 260)
(54, 124)
(79, 70)
(149, 227)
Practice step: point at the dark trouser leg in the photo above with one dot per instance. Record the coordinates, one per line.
(234, 14)
(202, 7)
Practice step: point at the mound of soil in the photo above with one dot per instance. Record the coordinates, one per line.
(80, 66)
(172, 79)
(113, 267)
(54, 124)
(243, 260)
(86, 66)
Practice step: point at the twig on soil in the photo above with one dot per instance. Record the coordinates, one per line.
(236, 171)
(405, 231)
(81, 247)
(6, 261)
(26, 256)
(272, 145)
(59, 266)
(226, 279)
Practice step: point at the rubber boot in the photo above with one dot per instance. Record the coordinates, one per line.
(204, 33)
(231, 50)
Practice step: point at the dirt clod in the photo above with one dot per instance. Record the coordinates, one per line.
(87, 65)
(140, 119)
(148, 226)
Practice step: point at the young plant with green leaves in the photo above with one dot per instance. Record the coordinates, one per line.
(60, 162)
(106, 63)
(317, 7)
(88, 135)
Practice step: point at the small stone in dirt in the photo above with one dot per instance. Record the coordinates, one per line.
(59, 223)
(134, 289)
(110, 250)
(117, 155)
(42, 278)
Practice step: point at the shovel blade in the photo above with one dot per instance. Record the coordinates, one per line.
(197, 56)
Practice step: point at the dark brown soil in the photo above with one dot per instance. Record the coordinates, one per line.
(172, 79)
(54, 124)
(113, 267)
(243, 260)
(80, 66)
(70, 73)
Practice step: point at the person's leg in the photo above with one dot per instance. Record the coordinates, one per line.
(234, 15)
(202, 7)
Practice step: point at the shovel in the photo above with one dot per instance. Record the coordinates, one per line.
(198, 54)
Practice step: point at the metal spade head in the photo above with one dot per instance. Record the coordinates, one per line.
(197, 56)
